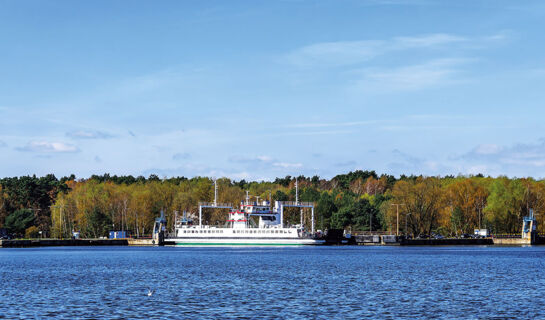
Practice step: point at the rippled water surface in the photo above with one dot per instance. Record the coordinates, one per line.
(271, 283)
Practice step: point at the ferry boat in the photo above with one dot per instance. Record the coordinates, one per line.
(241, 229)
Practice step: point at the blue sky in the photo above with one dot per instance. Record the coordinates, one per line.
(263, 89)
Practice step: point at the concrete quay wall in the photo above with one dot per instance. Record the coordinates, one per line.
(141, 242)
(63, 243)
(446, 242)
(512, 241)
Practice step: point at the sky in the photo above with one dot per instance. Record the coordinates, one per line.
(262, 89)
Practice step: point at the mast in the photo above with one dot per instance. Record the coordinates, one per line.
(215, 192)
(296, 192)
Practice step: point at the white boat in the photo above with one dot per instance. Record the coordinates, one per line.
(241, 229)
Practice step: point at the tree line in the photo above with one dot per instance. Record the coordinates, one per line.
(31, 206)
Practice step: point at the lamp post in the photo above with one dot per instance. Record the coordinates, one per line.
(406, 230)
(397, 223)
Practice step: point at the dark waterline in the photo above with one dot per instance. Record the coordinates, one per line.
(272, 283)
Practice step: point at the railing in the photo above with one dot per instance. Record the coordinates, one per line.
(295, 204)
(212, 204)
(372, 233)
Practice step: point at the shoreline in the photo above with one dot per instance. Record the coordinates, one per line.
(35, 243)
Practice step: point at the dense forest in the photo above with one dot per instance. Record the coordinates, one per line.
(31, 206)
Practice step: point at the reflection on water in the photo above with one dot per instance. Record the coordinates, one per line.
(272, 283)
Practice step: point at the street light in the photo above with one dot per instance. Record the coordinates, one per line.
(397, 206)
(406, 230)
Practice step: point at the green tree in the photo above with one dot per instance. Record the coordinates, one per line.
(98, 224)
(17, 222)
(505, 205)
(324, 208)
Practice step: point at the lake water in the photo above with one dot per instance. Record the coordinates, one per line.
(271, 283)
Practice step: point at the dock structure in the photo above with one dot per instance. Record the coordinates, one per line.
(280, 205)
(213, 205)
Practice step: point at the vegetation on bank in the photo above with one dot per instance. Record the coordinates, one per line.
(358, 201)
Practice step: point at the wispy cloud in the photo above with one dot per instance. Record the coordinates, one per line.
(88, 134)
(48, 147)
(336, 53)
(264, 161)
(404, 163)
(349, 163)
(287, 165)
(181, 156)
(426, 41)
(397, 2)
(429, 74)
(251, 159)
(309, 133)
(3, 144)
(522, 154)
(331, 124)
(353, 52)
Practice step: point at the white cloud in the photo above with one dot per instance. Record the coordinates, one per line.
(264, 158)
(2, 144)
(287, 165)
(260, 159)
(516, 160)
(48, 147)
(88, 134)
(485, 149)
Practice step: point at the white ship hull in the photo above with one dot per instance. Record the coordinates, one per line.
(242, 242)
